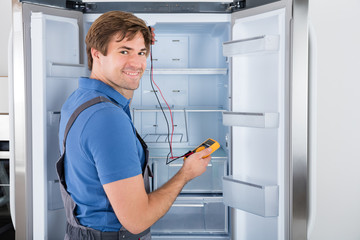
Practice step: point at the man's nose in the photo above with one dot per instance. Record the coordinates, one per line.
(136, 60)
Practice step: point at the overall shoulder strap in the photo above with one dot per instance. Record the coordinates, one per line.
(77, 112)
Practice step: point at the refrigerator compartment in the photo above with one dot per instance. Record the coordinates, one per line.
(189, 44)
(254, 197)
(208, 90)
(204, 125)
(174, 88)
(172, 51)
(194, 215)
(247, 119)
(209, 182)
(66, 70)
(152, 126)
(257, 44)
(192, 125)
(196, 88)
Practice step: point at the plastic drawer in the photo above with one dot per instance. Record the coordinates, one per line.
(208, 182)
(194, 215)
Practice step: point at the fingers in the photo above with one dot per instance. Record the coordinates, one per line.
(196, 164)
(204, 153)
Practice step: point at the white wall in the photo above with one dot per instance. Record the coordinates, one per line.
(5, 23)
(338, 120)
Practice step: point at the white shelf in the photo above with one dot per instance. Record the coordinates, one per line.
(247, 119)
(258, 44)
(190, 71)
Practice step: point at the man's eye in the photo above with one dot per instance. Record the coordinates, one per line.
(142, 53)
(124, 52)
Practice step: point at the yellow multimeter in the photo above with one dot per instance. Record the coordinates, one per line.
(209, 143)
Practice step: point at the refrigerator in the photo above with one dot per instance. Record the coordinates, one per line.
(236, 72)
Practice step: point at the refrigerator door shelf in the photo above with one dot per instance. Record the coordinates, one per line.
(209, 182)
(247, 119)
(190, 71)
(55, 201)
(66, 70)
(257, 198)
(194, 215)
(258, 44)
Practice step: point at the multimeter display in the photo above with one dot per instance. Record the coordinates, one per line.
(209, 143)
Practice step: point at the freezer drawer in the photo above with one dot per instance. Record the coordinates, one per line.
(208, 182)
(194, 215)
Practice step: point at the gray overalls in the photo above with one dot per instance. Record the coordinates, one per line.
(73, 229)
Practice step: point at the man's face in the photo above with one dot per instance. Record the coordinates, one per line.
(124, 64)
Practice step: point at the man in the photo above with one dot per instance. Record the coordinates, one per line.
(104, 171)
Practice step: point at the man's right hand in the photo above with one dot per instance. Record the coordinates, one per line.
(196, 164)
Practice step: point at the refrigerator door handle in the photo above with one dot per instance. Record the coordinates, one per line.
(11, 129)
(312, 127)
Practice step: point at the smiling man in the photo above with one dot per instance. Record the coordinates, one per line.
(103, 172)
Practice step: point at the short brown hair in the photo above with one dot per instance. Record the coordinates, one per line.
(110, 23)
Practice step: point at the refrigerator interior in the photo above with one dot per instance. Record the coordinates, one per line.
(192, 73)
(195, 78)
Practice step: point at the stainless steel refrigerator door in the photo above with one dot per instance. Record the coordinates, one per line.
(299, 127)
(19, 133)
(21, 112)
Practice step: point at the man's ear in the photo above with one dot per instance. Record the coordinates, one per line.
(95, 53)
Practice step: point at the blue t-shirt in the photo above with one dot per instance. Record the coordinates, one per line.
(101, 148)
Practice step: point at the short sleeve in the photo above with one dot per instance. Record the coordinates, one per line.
(109, 140)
